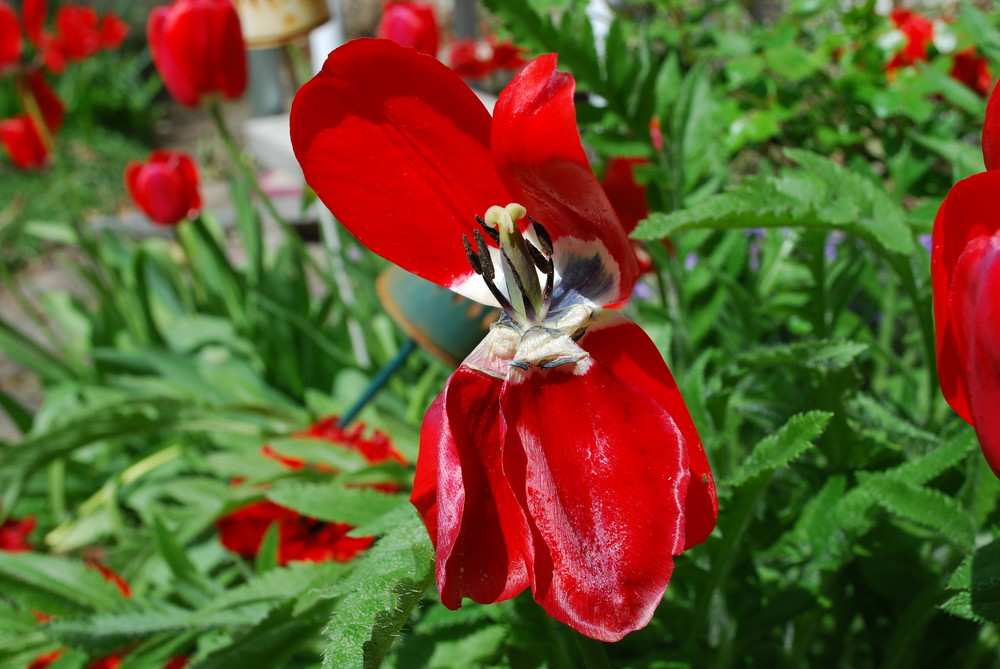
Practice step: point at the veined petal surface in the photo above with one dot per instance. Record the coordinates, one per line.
(623, 348)
(398, 148)
(460, 490)
(605, 474)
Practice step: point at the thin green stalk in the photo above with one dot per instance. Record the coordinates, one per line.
(243, 165)
(57, 488)
(592, 651)
(241, 162)
(905, 271)
(740, 516)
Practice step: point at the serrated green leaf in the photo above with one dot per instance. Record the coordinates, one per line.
(61, 585)
(379, 595)
(923, 506)
(335, 501)
(790, 441)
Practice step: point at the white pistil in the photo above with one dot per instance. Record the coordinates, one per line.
(520, 275)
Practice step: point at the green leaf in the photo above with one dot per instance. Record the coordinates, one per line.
(790, 441)
(923, 506)
(267, 553)
(55, 585)
(335, 501)
(388, 581)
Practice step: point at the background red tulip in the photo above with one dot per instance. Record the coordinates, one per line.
(10, 36)
(412, 24)
(165, 187)
(198, 49)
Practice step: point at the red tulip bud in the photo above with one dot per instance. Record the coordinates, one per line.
(165, 187)
(198, 49)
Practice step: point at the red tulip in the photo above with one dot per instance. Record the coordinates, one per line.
(412, 24)
(965, 274)
(20, 135)
(10, 37)
(468, 60)
(24, 145)
(165, 187)
(14, 534)
(79, 32)
(918, 32)
(198, 49)
(561, 455)
(972, 70)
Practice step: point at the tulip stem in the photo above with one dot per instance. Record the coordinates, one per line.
(592, 651)
(380, 380)
(240, 159)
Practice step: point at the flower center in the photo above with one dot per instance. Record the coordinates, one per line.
(526, 301)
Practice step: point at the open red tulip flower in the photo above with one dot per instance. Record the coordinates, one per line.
(165, 187)
(965, 273)
(560, 455)
(197, 47)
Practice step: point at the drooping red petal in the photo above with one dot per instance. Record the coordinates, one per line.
(10, 36)
(463, 495)
(537, 153)
(975, 295)
(402, 159)
(52, 108)
(624, 349)
(968, 212)
(605, 474)
(991, 131)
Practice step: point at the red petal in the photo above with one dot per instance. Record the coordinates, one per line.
(465, 499)
(991, 131)
(627, 196)
(412, 24)
(968, 212)
(23, 143)
(181, 86)
(537, 152)
(605, 474)
(621, 346)
(975, 295)
(51, 106)
(10, 36)
(229, 54)
(33, 13)
(112, 31)
(398, 148)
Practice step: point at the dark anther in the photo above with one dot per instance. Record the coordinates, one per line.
(543, 237)
(492, 232)
(477, 267)
(485, 260)
(541, 262)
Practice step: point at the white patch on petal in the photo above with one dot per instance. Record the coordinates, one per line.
(585, 273)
